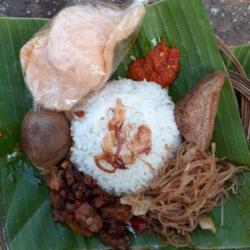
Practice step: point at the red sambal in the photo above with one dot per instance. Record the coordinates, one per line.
(161, 65)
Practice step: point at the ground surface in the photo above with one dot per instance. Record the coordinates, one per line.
(230, 18)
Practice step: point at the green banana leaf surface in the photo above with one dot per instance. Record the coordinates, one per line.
(242, 53)
(25, 211)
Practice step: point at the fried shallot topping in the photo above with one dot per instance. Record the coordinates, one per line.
(119, 148)
(117, 121)
(142, 141)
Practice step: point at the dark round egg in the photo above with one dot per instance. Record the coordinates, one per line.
(45, 137)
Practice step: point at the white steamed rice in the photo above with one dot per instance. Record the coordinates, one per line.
(145, 103)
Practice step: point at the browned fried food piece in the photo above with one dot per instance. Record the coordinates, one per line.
(116, 241)
(56, 200)
(54, 178)
(85, 207)
(78, 229)
(195, 113)
(88, 218)
(117, 212)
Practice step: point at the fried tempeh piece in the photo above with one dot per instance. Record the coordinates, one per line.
(195, 113)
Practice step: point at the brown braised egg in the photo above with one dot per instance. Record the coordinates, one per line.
(45, 137)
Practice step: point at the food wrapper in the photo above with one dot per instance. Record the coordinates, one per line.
(76, 53)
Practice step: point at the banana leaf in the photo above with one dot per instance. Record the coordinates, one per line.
(243, 55)
(25, 212)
